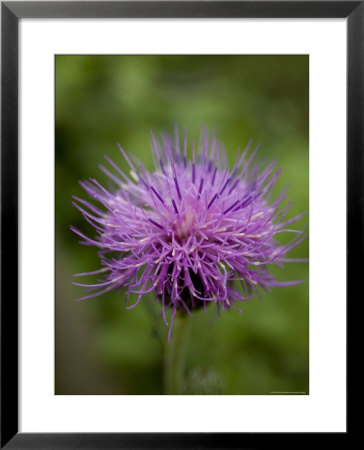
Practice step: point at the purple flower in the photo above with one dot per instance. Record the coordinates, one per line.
(191, 230)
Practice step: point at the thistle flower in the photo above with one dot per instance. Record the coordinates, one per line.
(189, 231)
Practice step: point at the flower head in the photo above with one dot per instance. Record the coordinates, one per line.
(191, 230)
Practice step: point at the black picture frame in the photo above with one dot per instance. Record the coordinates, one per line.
(11, 12)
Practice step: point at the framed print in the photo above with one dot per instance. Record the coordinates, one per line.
(181, 198)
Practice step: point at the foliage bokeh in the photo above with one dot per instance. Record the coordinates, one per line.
(101, 348)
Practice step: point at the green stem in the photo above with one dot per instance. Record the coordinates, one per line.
(174, 363)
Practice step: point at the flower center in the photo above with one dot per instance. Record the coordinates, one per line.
(184, 224)
(188, 212)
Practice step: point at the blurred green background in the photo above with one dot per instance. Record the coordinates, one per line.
(100, 347)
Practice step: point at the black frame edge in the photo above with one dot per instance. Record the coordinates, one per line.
(355, 164)
(184, 9)
(9, 224)
(159, 441)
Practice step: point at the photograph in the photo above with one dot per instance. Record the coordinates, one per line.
(181, 224)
